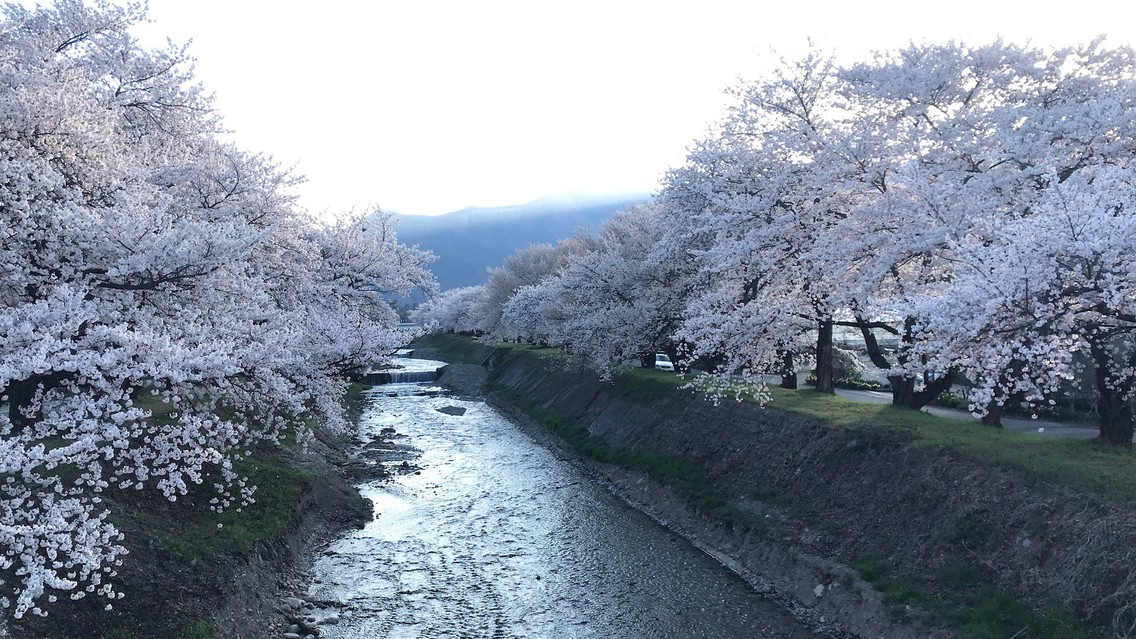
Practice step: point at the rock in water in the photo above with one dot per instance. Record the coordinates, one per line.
(456, 411)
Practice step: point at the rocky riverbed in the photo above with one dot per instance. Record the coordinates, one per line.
(488, 534)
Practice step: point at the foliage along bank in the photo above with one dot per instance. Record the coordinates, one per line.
(166, 308)
(194, 573)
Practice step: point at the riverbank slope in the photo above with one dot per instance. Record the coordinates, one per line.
(864, 530)
(195, 574)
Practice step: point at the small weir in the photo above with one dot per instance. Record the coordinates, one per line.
(404, 370)
(481, 532)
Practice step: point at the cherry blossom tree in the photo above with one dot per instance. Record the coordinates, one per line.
(1049, 295)
(451, 311)
(958, 142)
(843, 196)
(760, 195)
(163, 304)
(618, 298)
(535, 313)
(984, 140)
(526, 267)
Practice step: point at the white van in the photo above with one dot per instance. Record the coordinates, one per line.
(662, 362)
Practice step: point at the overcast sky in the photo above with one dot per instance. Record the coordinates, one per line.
(425, 107)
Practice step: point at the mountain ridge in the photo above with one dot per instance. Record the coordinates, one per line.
(470, 241)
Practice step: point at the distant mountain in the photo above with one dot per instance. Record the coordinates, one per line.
(470, 241)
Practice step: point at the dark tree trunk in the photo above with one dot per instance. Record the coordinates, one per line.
(875, 352)
(1116, 425)
(647, 360)
(788, 371)
(993, 416)
(995, 410)
(902, 386)
(824, 381)
(903, 391)
(932, 390)
(20, 395)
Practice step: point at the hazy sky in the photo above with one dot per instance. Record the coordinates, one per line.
(423, 106)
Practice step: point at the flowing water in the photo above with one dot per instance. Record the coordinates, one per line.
(488, 534)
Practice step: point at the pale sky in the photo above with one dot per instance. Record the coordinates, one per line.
(426, 107)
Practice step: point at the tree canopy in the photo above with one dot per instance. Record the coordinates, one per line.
(971, 203)
(164, 304)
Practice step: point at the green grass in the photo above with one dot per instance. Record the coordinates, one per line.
(647, 386)
(685, 478)
(355, 401)
(279, 488)
(966, 601)
(187, 526)
(188, 545)
(844, 412)
(457, 349)
(199, 630)
(1089, 465)
(127, 628)
(189, 529)
(1081, 464)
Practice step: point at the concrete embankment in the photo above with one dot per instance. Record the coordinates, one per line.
(803, 501)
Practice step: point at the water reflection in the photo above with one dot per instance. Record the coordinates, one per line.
(489, 535)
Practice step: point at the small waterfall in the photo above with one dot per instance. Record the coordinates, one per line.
(412, 377)
(404, 371)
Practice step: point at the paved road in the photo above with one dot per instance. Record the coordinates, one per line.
(1034, 426)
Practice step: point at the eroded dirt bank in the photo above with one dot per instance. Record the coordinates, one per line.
(816, 499)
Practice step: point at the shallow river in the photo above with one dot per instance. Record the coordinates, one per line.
(495, 537)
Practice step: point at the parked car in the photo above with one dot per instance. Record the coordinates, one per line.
(663, 362)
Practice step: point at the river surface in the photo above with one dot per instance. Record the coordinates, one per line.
(488, 534)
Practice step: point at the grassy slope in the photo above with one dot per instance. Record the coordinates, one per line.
(1082, 464)
(182, 551)
(457, 349)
